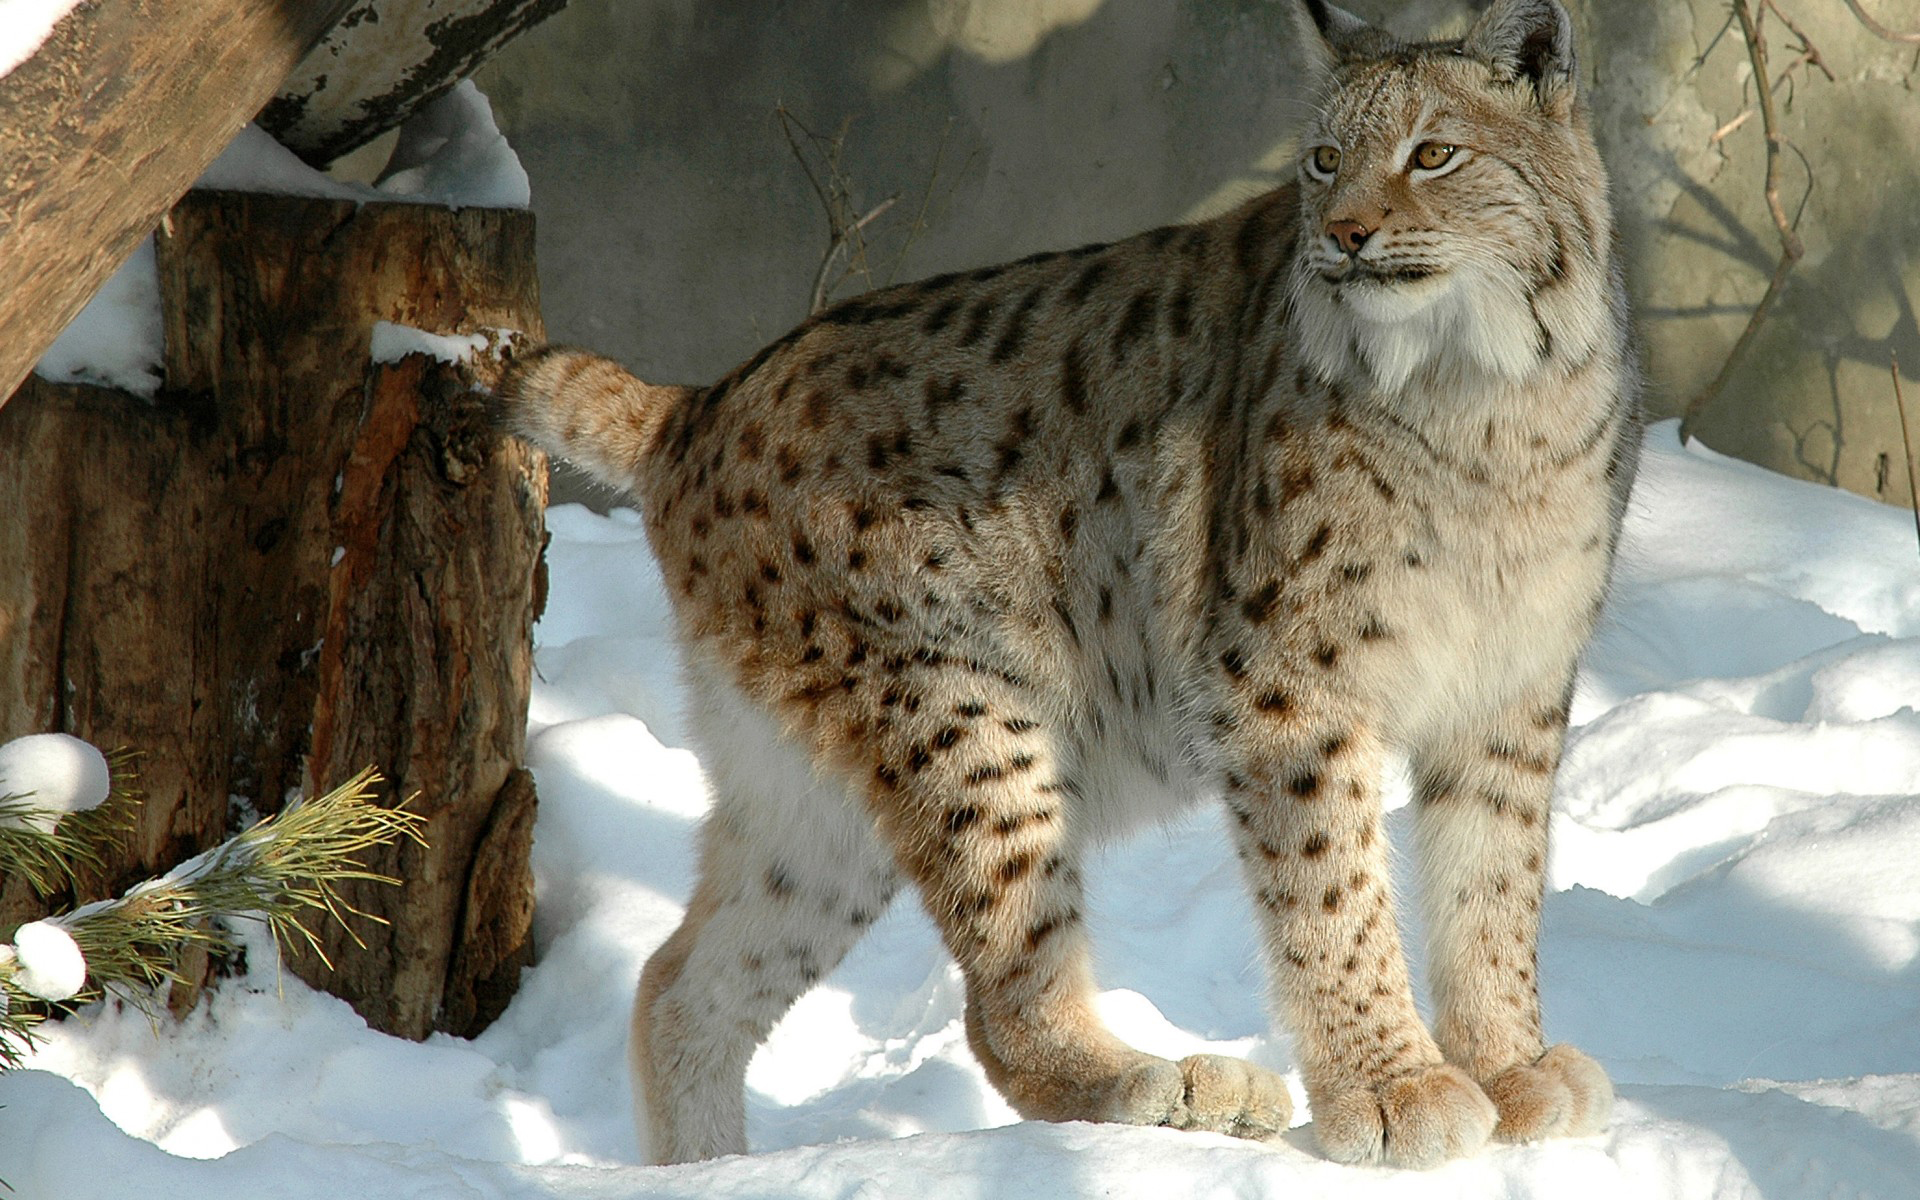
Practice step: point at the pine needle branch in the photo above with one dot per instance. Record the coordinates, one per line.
(51, 852)
(282, 871)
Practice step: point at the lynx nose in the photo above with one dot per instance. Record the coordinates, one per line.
(1349, 235)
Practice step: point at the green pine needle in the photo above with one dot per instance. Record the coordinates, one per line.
(52, 860)
(282, 871)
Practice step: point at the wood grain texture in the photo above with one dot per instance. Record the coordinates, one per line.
(108, 124)
(297, 563)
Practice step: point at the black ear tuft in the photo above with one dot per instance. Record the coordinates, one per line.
(1529, 40)
(1328, 34)
(1337, 25)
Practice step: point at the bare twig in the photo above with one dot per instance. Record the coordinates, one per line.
(1746, 114)
(788, 123)
(1809, 53)
(1878, 30)
(1791, 248)
(845, 226)
(1712, 44)
(1906, 443)
(846, 252)
(1726, 131)
(919, 224)
(822, 281)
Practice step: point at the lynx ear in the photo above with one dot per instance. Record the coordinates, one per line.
(1326, 34)
(1528, 40)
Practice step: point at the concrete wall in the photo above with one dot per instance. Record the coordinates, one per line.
(1814, 397)
(679, 233)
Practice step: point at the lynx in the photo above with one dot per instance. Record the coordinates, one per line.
(974, 572)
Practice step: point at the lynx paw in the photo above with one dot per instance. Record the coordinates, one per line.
(1562, 1094)
(1206, 1092)
(1418, 1120)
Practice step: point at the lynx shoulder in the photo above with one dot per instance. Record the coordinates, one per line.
(972, 572)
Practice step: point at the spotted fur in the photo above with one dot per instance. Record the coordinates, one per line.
(975, 571)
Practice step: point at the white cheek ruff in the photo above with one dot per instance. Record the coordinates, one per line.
(1465, 316)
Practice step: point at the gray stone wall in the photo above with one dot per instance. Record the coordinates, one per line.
(679, 233)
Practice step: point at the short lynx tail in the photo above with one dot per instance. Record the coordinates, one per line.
(586, 409)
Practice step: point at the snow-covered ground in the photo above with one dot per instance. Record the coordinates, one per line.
(1733, 930)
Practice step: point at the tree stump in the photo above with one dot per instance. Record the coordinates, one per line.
(298, 562)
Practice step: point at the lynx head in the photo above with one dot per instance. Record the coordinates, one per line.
(1455, 220)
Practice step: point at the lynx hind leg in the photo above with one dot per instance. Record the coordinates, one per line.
(1481, 823)
(974, 795)
(790, 876)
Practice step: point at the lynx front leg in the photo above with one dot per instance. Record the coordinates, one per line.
(1482, 827)
(1309, 838)
(977, 811)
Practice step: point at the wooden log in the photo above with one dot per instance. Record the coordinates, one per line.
(384, 59)
(107, 124)
(298, 562)
(108, 517)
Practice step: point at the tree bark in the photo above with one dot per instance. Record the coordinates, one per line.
(104, 128)
(384, 59)
(297, 563)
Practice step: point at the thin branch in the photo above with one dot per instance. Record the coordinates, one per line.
(788, 123)
(1809, 56)
(845, 228)
(1791, 248)
(1809, 53)
(1906, 444)
(1727, 130)
(1878, 30)
(1712, 43)
(846, 253)
(1747, 114)
(822, 285)
(919, 223)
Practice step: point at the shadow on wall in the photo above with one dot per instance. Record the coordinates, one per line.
(1674, 106)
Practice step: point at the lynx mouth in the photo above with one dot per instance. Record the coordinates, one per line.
(1386, 276)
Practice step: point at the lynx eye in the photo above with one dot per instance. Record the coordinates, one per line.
(1431, 156)
(1325, 160)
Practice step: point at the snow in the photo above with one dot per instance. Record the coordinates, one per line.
(56, 773)
(24, 25)
(1733, 930)
(450, 153)
(392, 342)
(117, 338)
(46, 961)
